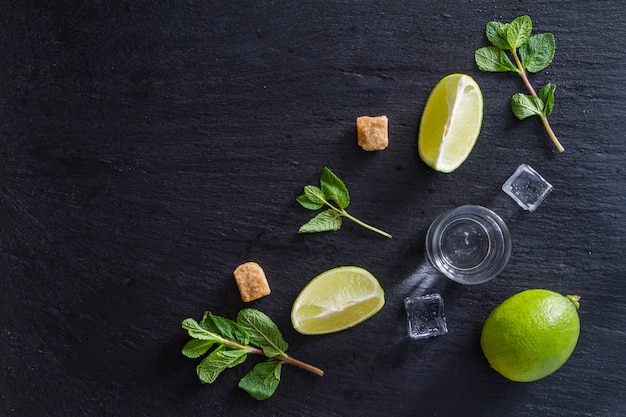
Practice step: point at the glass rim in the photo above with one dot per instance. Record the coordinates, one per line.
(499, 244)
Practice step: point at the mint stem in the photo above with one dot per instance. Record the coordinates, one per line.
(300, 364)
(287, 359)
(522, 73)
(344, 213)
(367, 226)
(531, 90)
(556, 142)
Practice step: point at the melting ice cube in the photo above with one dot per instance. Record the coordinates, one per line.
(527, 187)
(425, 316)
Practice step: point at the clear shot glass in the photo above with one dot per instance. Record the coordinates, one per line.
(469, 244)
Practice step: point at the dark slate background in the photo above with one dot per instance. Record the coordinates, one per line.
(148, 147)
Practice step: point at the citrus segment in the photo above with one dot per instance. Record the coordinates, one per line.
(337, 299)
(531, 334)
(450, 123)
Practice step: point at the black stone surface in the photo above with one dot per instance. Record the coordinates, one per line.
(148, 147)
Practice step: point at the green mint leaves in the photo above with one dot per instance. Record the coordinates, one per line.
(228, 344)
(331, 193)
(263, 332)
(263, 380)
(538, 52)
(524, 105)
(534, 52)
(531, 54)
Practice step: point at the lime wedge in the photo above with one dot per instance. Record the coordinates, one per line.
(337, 299)
(450, 123)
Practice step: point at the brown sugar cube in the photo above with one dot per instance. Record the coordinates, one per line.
(251, 281)
(372, 132)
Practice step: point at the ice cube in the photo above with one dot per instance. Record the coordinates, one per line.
(527, 187)
(425, 316)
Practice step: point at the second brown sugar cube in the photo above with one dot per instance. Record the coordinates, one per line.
(372, 132)
(251, 281)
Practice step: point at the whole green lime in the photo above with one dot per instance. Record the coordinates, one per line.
(531, 334)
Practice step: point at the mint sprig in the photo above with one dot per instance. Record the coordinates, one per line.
(228, 344)
(530, 54)
(331, 193)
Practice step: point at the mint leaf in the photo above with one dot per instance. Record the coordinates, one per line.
(197, 347)
(546, 94)
(495, 32)
(334, 189)
(262, 381)
(228, 329)
(492, 59)
(518, 31)
(308, 204)
(524, 106)
(315, 194)
(217, 361)
(538, 52)
(263, 332)
(326, 221)
(197, 332)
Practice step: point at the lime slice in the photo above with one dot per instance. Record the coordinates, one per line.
(450, 123)
(337, 299)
